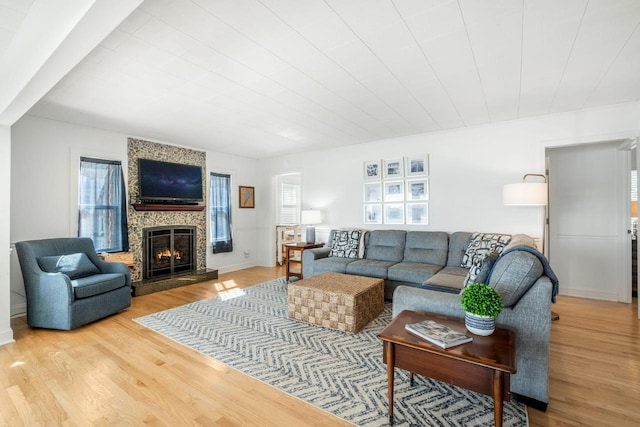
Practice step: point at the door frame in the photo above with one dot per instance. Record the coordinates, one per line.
(627, 140)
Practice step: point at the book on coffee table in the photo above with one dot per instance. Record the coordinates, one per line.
(437, 333)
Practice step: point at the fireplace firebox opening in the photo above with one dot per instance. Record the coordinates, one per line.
(169, 250)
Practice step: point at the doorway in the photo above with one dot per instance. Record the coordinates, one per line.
(589, 219)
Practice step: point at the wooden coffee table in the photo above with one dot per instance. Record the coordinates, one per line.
(484, 365)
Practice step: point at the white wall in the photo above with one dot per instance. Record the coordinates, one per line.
(468, 168)
(6, 334)
(244, 221)
(44, 158)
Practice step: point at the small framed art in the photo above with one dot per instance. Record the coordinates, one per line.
(417, 213)
(393, 168)
(372, 192)
(418, 165)
(373, 214)
(393, 191)
(417, 189)
(247, 197)
(372, 170)
(394, 213)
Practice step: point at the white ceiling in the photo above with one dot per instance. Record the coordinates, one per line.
(259, 78)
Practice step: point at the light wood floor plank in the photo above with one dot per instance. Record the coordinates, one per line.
(116, 372)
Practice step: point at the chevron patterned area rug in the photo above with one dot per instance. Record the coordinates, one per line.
(339, 372)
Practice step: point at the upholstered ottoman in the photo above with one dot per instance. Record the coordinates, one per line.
(338, 301)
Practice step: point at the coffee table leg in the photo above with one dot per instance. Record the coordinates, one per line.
(391, 356)
(498, 390)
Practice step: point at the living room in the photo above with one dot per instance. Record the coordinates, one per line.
(468, 167)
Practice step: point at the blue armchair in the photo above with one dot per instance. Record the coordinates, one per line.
(67, 285)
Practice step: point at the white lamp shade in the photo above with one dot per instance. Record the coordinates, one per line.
(525, 194)
(310, 216)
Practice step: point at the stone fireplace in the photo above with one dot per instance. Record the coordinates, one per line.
(141, 220)
(169, 250)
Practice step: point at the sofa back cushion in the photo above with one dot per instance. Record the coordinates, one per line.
(385, 245)
(73, 265)
(513, 274)
(458, 243)
(427, 247)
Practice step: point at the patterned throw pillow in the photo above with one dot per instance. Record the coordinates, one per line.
(479, 272)
(346, 243)
(481, 244)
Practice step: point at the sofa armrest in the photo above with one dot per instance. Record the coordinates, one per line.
(309, 256)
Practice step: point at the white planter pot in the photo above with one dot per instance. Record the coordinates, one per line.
(479, 325)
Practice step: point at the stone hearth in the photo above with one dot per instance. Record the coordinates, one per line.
(149, 286)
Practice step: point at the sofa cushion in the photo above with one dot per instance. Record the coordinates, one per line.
(370, 268)
(97, 284)
(513, 274)
(347, 244)
(73, 265)
(481, 244)
(429, 247)
(449, 278)
(385, 245)
(479, 271)
(458, 243)
(331, 264)
(412, 272)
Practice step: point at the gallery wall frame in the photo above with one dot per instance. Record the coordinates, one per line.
(417, 165)
(372, 214)
(372, 170)
(417, 214)
(372, 192)
(417, 189)
(394, 168)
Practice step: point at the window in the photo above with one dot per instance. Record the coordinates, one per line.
(289, 199)
(102, 211)
(220, 188)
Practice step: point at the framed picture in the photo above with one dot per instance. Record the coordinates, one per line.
(394, 213)
(417, 189)
(417, 213)
(247, 197)
(393, 191)
(372, 170)
(393, 168)
(418, 165)
(372, 214)
(372, 192)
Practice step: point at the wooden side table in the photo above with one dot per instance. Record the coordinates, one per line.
(483, 365)
(295, 261)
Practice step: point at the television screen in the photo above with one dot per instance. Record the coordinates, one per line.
(169, 182)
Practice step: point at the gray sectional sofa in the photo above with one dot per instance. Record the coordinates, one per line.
(430, 259)
(423, 272)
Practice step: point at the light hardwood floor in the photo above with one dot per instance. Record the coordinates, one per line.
(116, 372)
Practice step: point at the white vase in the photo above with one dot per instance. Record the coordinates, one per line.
(479, 325)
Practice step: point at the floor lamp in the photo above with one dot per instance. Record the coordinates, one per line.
(530, 194)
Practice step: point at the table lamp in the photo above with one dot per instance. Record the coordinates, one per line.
(310, 217)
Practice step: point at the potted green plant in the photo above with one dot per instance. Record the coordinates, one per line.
(481, 304)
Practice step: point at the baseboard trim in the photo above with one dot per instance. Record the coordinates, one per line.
(19, 310)
(6, 337)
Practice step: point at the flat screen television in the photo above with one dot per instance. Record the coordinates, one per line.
(166, 182)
